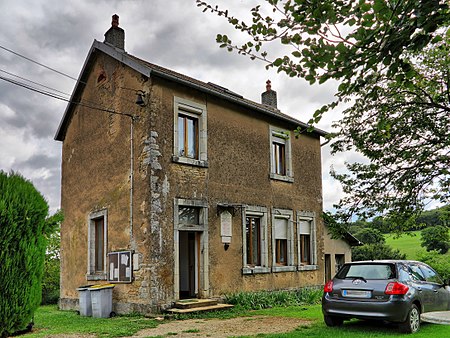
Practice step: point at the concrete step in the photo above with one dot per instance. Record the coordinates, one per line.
(201, 308)
(194, 303)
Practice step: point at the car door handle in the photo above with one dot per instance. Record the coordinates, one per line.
(419, 289)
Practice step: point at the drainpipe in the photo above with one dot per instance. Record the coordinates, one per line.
(133, 119)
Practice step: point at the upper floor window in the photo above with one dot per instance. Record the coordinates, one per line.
(280, 155)
(190, 133)
(187, 136)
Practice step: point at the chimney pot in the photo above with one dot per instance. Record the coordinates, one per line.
(115, 21)
(269, 97)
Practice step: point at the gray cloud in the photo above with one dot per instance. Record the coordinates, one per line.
(171, 33)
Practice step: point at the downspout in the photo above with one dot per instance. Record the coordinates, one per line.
(133, 118)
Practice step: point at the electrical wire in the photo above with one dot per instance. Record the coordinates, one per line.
(52, 69)
(59, 97)
(36, 83)
(50, 94)
(38, 63)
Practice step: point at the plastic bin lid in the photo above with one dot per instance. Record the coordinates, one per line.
(84, 287)
(101, 286)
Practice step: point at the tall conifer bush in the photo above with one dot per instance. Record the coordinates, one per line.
(23, 226)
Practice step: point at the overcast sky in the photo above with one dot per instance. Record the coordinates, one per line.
(171, 33)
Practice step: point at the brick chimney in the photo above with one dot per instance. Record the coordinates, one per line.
(115, 36)
(269, 97)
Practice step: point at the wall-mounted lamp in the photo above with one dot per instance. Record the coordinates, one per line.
(140, 96)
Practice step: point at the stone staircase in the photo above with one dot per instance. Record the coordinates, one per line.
(197, 305)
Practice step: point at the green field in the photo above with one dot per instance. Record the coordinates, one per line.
(49, 322)
(408, 243)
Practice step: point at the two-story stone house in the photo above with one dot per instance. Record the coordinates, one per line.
(193, 192)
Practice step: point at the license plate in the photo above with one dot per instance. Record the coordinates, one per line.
(356, 293)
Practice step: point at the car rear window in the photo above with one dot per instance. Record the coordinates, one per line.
(367, 271)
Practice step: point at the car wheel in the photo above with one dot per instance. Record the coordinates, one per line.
(412, 322)
(333, 320)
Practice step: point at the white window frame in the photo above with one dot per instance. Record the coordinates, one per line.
(283, 136)
(91, 273)
(287, 215)
(198, 111)
(308, 216)
(262, 214)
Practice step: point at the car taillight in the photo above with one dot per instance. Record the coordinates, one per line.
(328, 287)
(396, 288)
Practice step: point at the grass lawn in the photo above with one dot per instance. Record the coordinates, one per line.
(50, 321)
(408, 244)
(350, 329)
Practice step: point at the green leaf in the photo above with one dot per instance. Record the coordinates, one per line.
(278, 62)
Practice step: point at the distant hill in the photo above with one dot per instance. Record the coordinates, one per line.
(408, 243)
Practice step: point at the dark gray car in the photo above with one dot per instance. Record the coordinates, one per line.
(390, 290)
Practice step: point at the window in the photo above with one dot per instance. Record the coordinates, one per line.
(187, 136)
(255, 253)
(97, 245)
(191, 215)
(188, 215)
(190, 134)
(99, 229)
(340, 260)
(430, 275)
(282, 240)
(253, 238)
(305, 246)
(416, 273)
(280, 157)
(306, 232)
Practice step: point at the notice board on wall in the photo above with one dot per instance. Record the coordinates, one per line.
(120, 267)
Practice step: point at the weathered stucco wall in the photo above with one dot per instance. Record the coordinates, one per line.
(95, 176)
(335, 247)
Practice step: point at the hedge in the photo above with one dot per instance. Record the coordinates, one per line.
(23, 212)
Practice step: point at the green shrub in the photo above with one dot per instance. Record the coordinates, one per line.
(441, 263)
(23, 226)
(267, 299)
(375, 251)
(50, 280)
(436, 238)
(370, 236)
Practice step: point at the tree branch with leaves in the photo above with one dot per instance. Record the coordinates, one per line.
(391, 61)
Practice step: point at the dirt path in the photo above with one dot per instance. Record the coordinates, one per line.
(222, 328)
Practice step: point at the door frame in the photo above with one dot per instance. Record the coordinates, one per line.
(202, 252)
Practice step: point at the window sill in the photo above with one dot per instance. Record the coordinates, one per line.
(277, 177)
(99, 276)
(308, 267)
(255, 270)
(288, 268)
(190, 161)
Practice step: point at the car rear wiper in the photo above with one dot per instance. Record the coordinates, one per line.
(357, 277)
